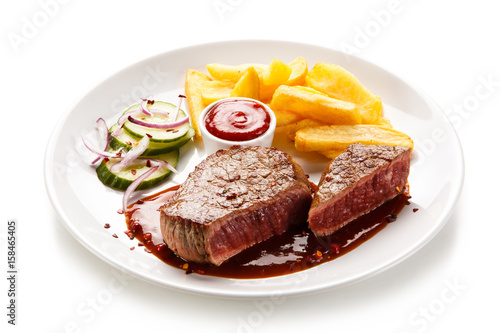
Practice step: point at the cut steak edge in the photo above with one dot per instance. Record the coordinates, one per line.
(359, 180)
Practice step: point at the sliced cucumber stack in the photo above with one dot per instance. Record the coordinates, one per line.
(120, 180)
(125, 140)
(167, 130)
(165, 114)
(161, 141)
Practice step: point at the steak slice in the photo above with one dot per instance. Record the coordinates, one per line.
(234, 199)
(357, 181)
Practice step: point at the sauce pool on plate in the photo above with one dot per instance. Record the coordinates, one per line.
(296, 250)
(237, 120)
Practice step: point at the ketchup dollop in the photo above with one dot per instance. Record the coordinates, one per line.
(237, 120)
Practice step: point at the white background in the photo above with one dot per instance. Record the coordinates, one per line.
(53, 52)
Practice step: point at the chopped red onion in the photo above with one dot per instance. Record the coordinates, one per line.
(161, 163)
(103, 131)
(144, 104)
(157, 125)
(117, 131)
(102, 128)
(181, 98)
(99, 152)
(125, 116)
(131, 188)
(131, 155)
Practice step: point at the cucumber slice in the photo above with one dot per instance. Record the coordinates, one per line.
(122, 179)
(158, 135)
(124, 140)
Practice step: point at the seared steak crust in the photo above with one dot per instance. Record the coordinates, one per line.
(234, 199)
(357, 181)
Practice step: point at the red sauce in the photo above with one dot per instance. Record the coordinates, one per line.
(237, 120)
(296, 250)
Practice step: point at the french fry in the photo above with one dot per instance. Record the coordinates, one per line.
(215, 90)
(383, 121)
(277, 73)
(233, 72)
(248, 85)
(291, 129)
(338, 137)
(193, 86)
(284, 118)
(331, 154)
(299, 72)
(337, 82)
(314, 105)
(297, 77)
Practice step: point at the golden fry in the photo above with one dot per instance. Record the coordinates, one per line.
(337, 82)
(314, 105)
(233, 73)
(291, 129)
(248, 85)
(278, 73)
(193, 87)
(297, 78)
(383, 121)
(338, 137)
(284, 117)
(215, 90)
(331, 154)
(299, 72)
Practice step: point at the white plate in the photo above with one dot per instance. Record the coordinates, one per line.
(84, 205)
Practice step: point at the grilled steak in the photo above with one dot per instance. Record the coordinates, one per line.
(234, 199)
(360, 179)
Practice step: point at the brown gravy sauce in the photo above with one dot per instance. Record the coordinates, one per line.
(295, 250)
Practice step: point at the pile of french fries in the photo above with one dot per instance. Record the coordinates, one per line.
(323, 109)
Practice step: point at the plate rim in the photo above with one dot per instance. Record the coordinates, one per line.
(65, 220)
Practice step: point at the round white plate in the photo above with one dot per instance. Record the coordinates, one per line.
(84, 205)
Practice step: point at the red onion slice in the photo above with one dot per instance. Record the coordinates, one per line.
(153, 112)
(102, 129)
(157, 125)
(181, 98)
(144, 104)
(100, 152)
(161, 163)
(131, 155)
(131, 188)
(117, 131)
(124, 117)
